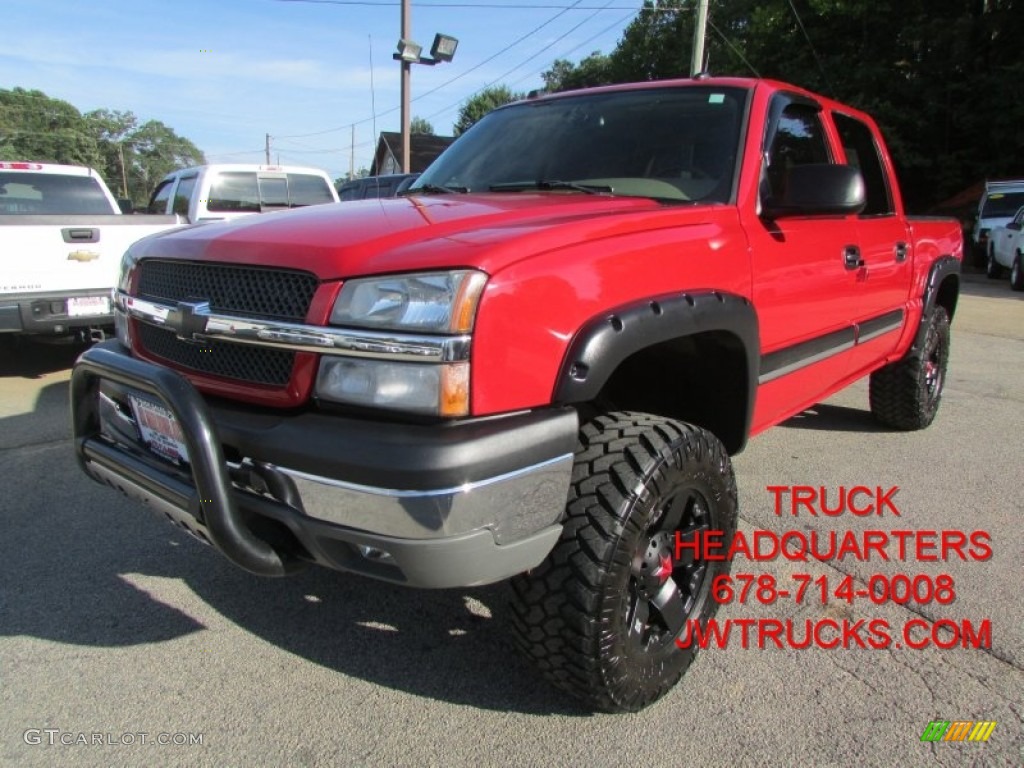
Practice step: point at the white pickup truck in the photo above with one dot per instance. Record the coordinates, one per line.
(223, 192)
(62, 236)
(1006, 250)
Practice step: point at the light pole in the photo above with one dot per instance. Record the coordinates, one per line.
(408, 54)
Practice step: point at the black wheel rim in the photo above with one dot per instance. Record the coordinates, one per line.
(664, 591)
(933, 371)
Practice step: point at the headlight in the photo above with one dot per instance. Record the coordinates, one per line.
(434, 302)
(128, 264)
(436, 390)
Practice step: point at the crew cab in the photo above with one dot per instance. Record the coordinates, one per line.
(231, 190)
(535, 365)
(1006, 250)
(62, 235)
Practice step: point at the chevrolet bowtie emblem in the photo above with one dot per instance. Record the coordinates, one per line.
(83, 256)
(188, 319)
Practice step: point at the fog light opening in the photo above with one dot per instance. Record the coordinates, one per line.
(374, 554)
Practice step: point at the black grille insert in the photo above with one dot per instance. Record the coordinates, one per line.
(257, 365)
(278, 294)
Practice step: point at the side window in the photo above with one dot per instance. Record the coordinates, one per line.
(799, 140)
(306, 189)
(862, 153)
(183, 194)
(158, 202)
(234, 191)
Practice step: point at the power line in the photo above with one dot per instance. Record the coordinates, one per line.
(484, 6)
(445, 84)
(814, 53)
(517, 66)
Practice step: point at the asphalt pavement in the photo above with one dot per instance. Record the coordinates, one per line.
(123, 642)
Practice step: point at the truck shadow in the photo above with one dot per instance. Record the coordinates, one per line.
(835, 418)
(81, 565)
(31, 359)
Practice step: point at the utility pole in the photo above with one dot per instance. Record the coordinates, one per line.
(406, 87)
(352, 155)
(124, 176)
(268, 149)
(699, 30)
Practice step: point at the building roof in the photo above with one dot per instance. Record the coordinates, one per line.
(423, 148)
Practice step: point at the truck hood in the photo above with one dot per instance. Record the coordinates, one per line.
(485, 231)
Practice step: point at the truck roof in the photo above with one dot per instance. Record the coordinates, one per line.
(52, 168)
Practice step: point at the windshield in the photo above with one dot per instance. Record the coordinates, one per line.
(667, 143)
(1002, 204)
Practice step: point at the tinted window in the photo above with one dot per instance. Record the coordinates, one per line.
(862, 153)
(306, 189)
(158, 202)
(799, 140)
(672, 143)
(246, 191)
(182, 195)
(234, 191)
(51, 194)
(274, 191)
(1002, 204)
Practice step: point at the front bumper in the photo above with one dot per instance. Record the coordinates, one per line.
(54, 313)
(447, 505)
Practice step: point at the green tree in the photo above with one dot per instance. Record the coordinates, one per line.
(37, 128)
(935, 74)
(594, 70)
(421, 125)
(138, 156)
(480, 104)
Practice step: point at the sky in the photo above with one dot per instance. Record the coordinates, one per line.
(224, 73)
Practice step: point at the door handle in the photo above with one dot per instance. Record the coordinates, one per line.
(901, 252)
(851, 257)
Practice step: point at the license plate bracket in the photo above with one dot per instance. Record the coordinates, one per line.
(88, 306)
(159, 430)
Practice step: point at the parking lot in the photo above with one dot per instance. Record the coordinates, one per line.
(123, 642)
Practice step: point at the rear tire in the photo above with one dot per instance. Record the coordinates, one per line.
(1017, 273)
(906, 394)
(992, 269)
(601, 615)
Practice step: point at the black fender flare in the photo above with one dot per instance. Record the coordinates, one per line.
(944, 268)
(608, 339)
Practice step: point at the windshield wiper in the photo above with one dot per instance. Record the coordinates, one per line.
(435, 189)
(548, 184)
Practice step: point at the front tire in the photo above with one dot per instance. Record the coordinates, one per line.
(1017, 273)
(906, 394)
(600, 616)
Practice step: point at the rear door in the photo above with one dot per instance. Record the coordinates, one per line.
(883, 237)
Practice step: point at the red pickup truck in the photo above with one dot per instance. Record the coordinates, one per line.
(535, 365)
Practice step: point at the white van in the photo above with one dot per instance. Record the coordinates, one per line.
(228, 191)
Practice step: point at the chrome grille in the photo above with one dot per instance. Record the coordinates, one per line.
(280, 294)
(256, 365)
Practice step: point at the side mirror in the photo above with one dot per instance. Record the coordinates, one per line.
(818, 189)
(125, 204)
